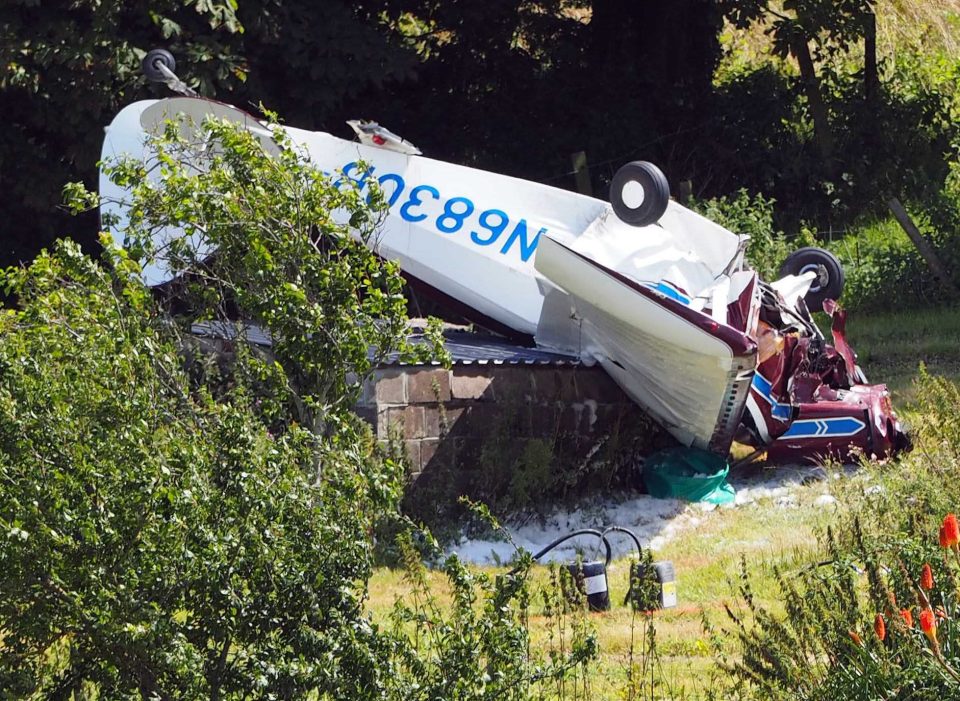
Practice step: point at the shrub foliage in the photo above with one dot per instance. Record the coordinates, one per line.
(185, 519)
(189, 517)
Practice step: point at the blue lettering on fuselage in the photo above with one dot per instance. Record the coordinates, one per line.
(459, 214)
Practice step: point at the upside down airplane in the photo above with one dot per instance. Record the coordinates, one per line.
(662, 298)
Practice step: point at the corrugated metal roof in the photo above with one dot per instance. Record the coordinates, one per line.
(465, 348)
(229, 331)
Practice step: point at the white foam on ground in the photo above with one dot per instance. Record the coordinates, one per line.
(654, 521)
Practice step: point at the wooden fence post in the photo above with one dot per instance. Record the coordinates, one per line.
(582, 173)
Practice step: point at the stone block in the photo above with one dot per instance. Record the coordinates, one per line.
(413, 455)
(368, 393)
(451, 420)
(468, 452)
(615, 417)
(515, 383)
(545, 419)
(413, 424)
(567, 386)
(382, 424)
(435, 421)
(428, 386)
(575, 418)
(408, 419)
(594, 383)
(468, 382)
(368, 414)
(554, 385)
(391, 386)
(487, 419)
(428, 449)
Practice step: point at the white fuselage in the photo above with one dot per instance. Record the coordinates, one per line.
(475, 236)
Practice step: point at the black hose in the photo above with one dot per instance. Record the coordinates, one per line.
(635, 567)
(584, 531)
(621, 529)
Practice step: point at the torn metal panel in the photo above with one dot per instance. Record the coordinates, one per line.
(809, 399)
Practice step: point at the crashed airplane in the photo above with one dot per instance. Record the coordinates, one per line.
(659, 296)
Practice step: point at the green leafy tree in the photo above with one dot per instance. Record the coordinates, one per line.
(67, 68)
(617, 78)
(191, 519)
(319, 64)
(829, 27)
(185, 517)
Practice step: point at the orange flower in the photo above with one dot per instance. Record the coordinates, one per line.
(880, 627)
(951, 531)
(907, 617)
(926, 578)
(928, 624)
(944, 543)
(855, 637)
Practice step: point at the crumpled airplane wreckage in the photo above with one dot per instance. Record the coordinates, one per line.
(659, 296)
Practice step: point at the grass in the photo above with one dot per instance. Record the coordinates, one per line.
(707, 559)
(706, 566)
(891, 347)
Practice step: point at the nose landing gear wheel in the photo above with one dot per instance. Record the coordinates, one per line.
(830, 278)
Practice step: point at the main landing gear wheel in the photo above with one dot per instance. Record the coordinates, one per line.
(830, 278)
(639, 193)
(151, 65)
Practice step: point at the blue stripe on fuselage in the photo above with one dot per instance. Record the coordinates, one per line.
(668, 290)
(765, 389)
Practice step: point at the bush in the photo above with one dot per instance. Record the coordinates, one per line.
(883, 266)
(891, 145)
(160, 541)
(479, 646)
(877, 617)
(185, 519)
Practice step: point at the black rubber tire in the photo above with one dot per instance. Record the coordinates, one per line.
(150, 65)
(656, 193)
(830, 277)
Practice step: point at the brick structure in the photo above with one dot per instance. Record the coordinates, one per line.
(511, 430)
(427, 405)
(509, 425)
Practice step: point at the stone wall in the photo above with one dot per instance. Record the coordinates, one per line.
(505, 432)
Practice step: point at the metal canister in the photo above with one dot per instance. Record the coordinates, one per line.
(667, 578)
(591, 580)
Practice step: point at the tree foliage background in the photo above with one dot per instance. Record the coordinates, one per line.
(825, 107)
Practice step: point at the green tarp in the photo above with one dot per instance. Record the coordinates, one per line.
(688, 473)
